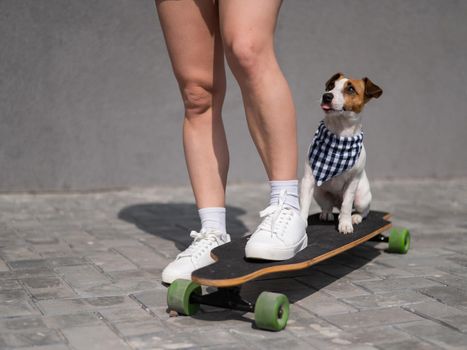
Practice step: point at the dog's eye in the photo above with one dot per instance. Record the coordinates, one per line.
(351, 89)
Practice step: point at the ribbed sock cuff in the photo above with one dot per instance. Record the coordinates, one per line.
(213, 217)
(292, 192)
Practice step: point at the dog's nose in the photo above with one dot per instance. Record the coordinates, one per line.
(327, 97)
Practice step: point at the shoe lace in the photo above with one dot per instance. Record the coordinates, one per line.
(276, 216)
(202, 241)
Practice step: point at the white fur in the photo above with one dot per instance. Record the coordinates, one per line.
(347, 190)
(337, 91)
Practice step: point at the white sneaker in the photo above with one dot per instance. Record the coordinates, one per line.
(281, 234)
(197, 255)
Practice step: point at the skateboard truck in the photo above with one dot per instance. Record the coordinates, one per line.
(271, 309)
(379, 238)
(227, 298)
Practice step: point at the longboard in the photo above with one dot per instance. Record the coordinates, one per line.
(324, 241)
(231, 269)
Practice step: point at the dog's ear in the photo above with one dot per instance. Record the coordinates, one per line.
(371, 89)
(330, 83)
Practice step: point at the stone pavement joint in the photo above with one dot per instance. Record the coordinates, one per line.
(83, 271)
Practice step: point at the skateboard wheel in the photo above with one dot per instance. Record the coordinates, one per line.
(271, 311)
(178, 297)
(399, 241)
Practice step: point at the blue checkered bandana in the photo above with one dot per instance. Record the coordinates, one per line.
(330, 155)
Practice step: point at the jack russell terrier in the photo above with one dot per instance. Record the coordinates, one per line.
(335, 167)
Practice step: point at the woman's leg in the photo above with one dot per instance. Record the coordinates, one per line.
(247, 29)
(191, 30)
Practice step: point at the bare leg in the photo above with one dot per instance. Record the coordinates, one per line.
(247, 29)
(191, 30)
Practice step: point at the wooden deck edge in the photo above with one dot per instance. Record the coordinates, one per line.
(232, 282)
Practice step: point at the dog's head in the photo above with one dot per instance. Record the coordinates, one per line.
(348, 95)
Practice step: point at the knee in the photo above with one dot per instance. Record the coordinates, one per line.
(245, 56)
(197, 99)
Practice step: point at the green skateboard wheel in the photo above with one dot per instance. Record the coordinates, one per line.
(178, 297)
(271, 311)
(399, 241)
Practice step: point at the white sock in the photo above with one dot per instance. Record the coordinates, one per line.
(213, 217)
(292, 192)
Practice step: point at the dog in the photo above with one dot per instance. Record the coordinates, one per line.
(334, 172)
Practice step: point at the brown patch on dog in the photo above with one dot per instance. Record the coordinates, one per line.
(330, 83)
(371, 89)
(354, 95)
(357, 92)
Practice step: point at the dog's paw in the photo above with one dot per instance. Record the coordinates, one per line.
(324, 216)
(356, 219)
(345, 226)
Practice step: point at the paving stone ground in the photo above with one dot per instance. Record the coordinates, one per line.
(83, 271)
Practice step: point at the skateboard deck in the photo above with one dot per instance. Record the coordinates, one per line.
(324, 241)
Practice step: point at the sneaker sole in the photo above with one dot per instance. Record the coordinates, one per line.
(266, 253)
(169, 278)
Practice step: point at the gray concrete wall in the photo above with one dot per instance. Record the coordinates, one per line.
(88, 99)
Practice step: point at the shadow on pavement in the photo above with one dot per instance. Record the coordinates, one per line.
(174, 221)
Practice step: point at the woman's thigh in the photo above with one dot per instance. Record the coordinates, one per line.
(191, 31)
(248, 27)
